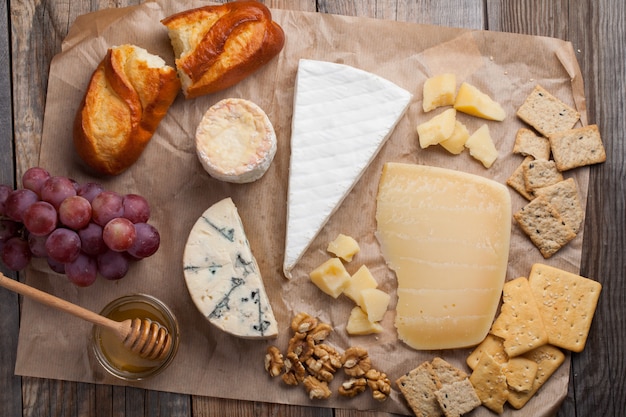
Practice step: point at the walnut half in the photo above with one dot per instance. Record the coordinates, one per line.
(274, 361)
(379, 384)
(317, 390)
(356, 361)
(353, 387)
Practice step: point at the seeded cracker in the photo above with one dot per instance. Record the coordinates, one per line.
(540, 173)
(546, 113)
(544, 226)
(489, 382)
(567, 303)
(517, 181)
(548, 359)
(492, 345)
(520, 374)
(519, 322)
(457, 398)
(564, 197)
(528, 143)
(577, 147)
(418, 388)
(445, 372)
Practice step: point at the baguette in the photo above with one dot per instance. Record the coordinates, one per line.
(218, 46)
(129, 93)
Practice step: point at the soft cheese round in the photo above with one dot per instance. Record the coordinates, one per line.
(235, 141)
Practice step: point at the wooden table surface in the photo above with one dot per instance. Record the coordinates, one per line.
(31, 34)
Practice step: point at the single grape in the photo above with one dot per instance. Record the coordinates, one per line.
(18, 201)
(9, 229)
(16, 254)
(89, 190)
(57, 189)
(5, 190)
(37, 245)
(83, 271)
(40, 219)
(75, 212)
(63, 245)
(146, 242)
(91, 241)
(119, 234)
(113, 265)
(106, 206)
(136, 208)
(58, 267)
(34, 178)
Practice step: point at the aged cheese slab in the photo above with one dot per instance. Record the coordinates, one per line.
(342, 117)
(446, 235)
(223, 277)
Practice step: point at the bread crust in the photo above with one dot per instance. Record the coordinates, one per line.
(124, 103)
(218, 46)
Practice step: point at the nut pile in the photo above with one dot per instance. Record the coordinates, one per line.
(313, 363)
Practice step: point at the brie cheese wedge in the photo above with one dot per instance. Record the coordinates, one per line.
(342, 116)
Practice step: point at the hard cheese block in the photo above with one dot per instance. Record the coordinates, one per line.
(446, 235)
(341, 118)
(223, 277)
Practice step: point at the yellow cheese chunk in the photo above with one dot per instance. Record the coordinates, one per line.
(438, 91)
(358, 323)
(359, 281)
(456, 142)
(331, 277)
(345, 247)
(472, 101)
(446, 235)
(481, 146)
(374, 303)
(437, 129)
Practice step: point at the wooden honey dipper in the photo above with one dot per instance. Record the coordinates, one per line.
(144, 337)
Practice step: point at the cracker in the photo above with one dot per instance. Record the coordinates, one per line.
(563, 196)
(546, 113)
(548, 359)
(517, 181)
(418, 388)
(540, 173)
(528, 143)
(519, 322)
(445, 372)
(579, 147)
(489, 382)
(544, 226)
(567, 303)
(457, 398)
(492, 345)
(520, 374)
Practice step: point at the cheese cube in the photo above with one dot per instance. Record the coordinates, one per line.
(481, 146)
(439, 90)
(456, 142)
(358, 323)
(437, 129)
(331, 277)
(345, 247)
(374, 303)
(472, 101)
(359, 281)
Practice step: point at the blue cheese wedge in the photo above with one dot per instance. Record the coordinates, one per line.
(342, 117)
(223, 277)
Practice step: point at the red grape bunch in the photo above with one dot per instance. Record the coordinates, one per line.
(82, 230)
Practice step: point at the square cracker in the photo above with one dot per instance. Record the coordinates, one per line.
(519, 322)
(544, 226)
(489, 382)
(546, 113)
(493, 345)
(418, 388)
(445, 372)
(528, 143)
(563, 196)
(517, 181)
(577, 147)
(540, 173)
(457, 398)
(520, 374)
(548, 359)
(567, 303)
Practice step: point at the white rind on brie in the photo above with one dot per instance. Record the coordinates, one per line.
(223, 277)
(342, 116)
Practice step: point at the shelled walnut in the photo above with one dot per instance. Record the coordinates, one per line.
(356, 361)
(274, 362)
(317, 390)
(353, 387)
(379, 383)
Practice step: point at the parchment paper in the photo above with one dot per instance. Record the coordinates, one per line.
(209, 362)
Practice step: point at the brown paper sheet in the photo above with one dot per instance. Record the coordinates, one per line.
(211, 363)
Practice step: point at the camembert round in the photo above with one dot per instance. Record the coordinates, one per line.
(235, 141)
